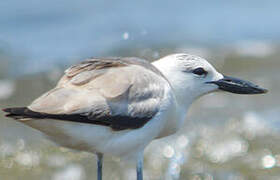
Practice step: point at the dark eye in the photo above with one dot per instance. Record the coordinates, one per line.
(199, 71)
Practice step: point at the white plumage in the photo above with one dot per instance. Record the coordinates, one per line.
(117, 106)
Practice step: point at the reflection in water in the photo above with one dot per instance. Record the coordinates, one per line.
(268, 161)
(70, 172)
(7, 88)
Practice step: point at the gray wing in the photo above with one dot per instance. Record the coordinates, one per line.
(120, 93)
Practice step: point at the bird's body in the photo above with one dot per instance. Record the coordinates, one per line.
(78, 95)
(117, 106)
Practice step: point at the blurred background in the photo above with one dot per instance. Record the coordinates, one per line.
(226, 136)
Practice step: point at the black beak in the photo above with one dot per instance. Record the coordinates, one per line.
(238, 86)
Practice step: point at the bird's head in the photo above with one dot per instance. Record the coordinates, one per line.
(193, 76)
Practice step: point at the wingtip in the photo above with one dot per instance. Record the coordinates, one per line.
(14, 113)
(15, 110)
(6, 109)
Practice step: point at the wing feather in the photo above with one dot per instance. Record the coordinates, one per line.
(120, 93)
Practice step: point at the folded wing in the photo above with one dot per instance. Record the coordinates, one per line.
(120, 93)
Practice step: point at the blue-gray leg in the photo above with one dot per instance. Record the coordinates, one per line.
(139, 169)
(99, 166)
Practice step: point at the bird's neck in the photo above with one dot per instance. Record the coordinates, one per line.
(184, 98)
(183, 90)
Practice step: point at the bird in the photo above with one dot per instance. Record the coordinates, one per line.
(117, 106)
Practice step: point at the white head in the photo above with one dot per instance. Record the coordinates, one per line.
(192, 76)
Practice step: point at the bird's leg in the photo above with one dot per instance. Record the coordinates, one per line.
(139, 168)
(99, 166)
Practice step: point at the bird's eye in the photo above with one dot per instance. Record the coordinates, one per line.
(199, 71)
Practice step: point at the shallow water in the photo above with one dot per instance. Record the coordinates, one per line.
(226, 136)
(42, 33)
